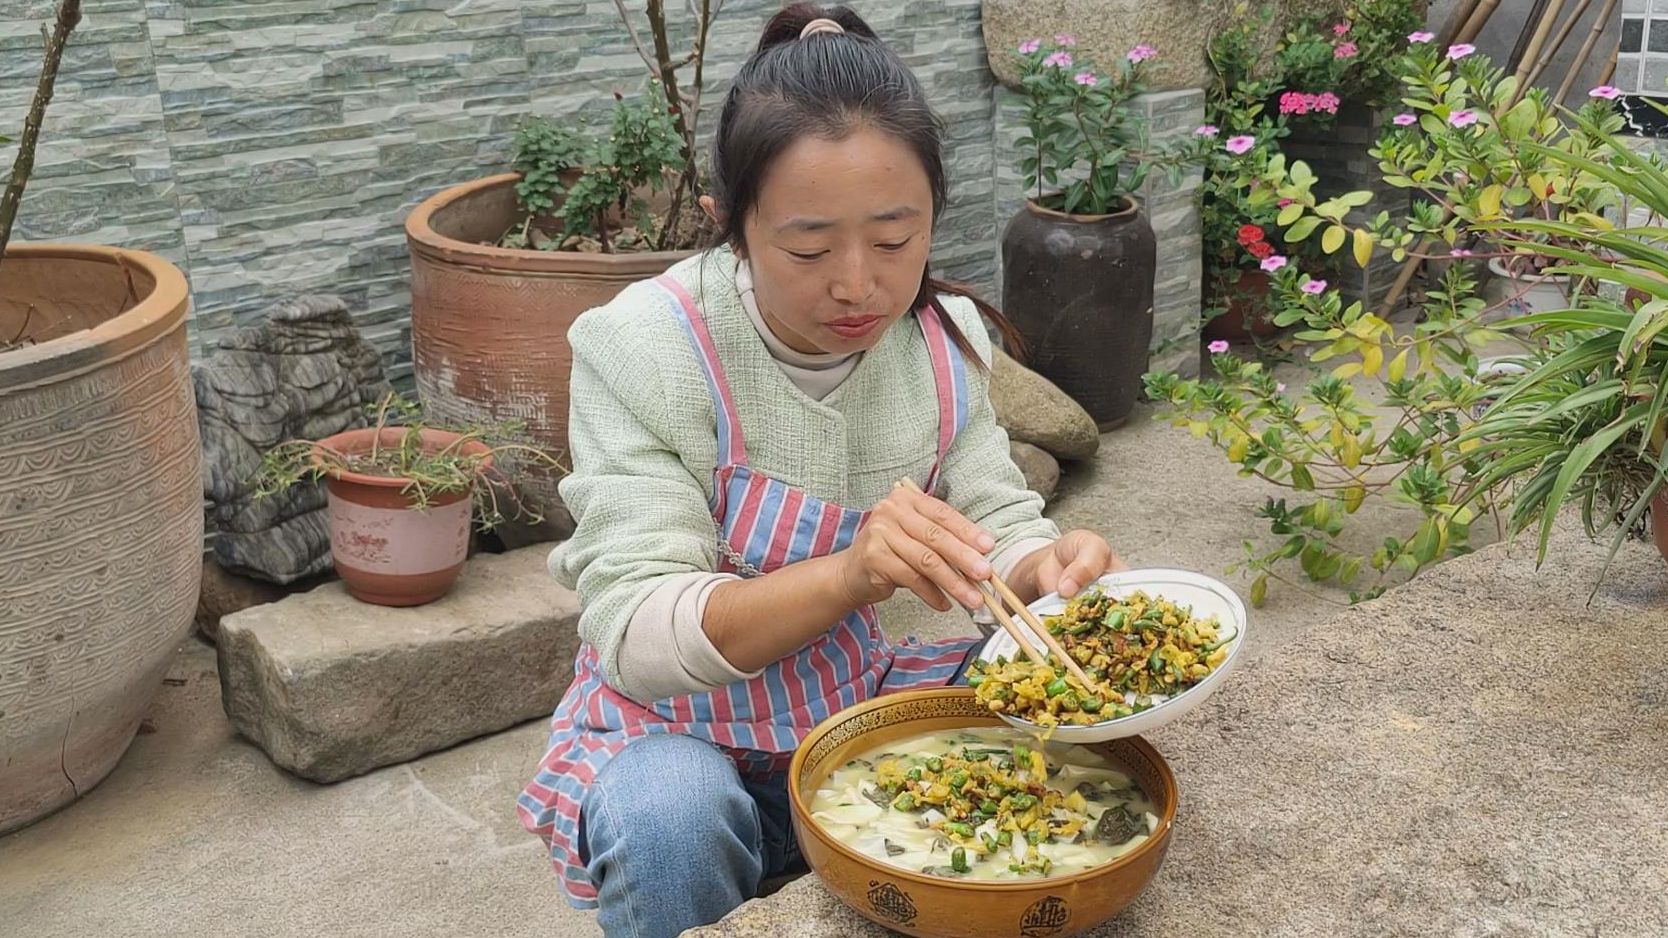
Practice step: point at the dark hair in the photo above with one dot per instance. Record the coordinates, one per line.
(828, 84)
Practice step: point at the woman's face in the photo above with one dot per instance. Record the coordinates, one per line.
(838, 240)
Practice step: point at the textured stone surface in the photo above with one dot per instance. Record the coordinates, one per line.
(331, 687)
(303, 373)
(1477, 753)
(1042, 471)
(272, 150)
(1107, 29)
(1034, 411)
(1172, 209)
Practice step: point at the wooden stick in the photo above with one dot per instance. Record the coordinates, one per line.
(1479, 19)
(1457, 18)
(1586, 51)
(1557, 43)
(1036, 625)
(1523, 58)
(1001, 615)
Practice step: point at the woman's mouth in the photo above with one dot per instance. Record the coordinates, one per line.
(854, 327)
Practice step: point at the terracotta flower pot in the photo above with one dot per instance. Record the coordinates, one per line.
(489, 325)
(388, 550)
(1659, 522)
(1079, 288)
(1247, 316)
(101, 518)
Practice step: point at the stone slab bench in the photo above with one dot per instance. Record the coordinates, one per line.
(331, 687)
(1476, 753)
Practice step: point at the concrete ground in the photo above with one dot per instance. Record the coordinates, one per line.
(195, 832)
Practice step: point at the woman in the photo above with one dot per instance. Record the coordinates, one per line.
(740, 429)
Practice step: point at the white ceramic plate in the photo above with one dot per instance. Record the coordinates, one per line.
(1205, 596)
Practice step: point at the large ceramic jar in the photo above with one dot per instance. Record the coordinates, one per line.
(489, 325)
(101, 519)
(1079, 289)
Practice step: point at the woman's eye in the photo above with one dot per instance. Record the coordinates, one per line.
(894, 246)
(808, 257)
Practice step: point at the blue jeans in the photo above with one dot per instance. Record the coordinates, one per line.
(674, 838)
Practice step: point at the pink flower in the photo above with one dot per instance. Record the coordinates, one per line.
(1065, 39)
(1280, 387)
(1240, 145)
(1218, 347)
(1460, 252)
(1463, 118)
(1460, 50)
(1086, 79)
(1272, 264)
(1142, 53)
(1326, 101)
(1284, 202)
(1344, 50)
(1341, 29)
(1404, 120)
(1207, 130)
(1058, 59)
(1420, 36)
(1315, 287)
(1607, 92)
(1029, 46)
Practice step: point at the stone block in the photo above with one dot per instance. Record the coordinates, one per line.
(331, 687)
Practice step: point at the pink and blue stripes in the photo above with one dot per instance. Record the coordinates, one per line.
(757, 722)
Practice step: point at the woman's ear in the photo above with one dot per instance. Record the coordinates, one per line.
(710, 206)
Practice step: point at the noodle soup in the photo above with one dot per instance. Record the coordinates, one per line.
(984, 804)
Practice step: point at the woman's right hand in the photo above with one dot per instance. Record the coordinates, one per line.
(916, 542)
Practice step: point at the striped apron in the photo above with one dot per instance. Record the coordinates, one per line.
(762, 525)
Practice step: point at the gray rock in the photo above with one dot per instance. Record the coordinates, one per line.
(1034, 411)
(331, 687)
(224, 593)
(303, 373)
(1042, 472)
(1479, 746)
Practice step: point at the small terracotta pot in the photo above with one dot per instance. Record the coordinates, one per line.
(1246, 305)
(388, 551)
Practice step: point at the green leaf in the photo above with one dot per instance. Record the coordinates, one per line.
(1333, 239)
(1302, 480)
(1289, 214)
(1301, 230)
(1259, 591)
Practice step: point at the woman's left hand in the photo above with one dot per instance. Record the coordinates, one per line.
(1074, 561)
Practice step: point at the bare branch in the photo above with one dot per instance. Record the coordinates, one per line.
(69, 15)
(642, 52)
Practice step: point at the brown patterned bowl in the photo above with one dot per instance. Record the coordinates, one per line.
(936, 907)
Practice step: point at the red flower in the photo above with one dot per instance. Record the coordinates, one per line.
(1249, 235)
(1260, 249)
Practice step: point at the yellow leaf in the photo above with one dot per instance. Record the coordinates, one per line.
(1259, 591)
(1353, 497)
(1197, 428)
(1347, 370)
(1363, 247)
(1333, 239)
(1489, 202)
(1468, 444)
(1537, 185)
(1238, 448)
(1289, 214)
(1398, 366)
(1350, 452)
(1372, 359)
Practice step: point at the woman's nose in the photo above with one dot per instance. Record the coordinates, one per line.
(854, 280)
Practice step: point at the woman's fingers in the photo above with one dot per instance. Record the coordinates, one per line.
(929, 563)
(945, 533)
(953, 523)
(894, 568)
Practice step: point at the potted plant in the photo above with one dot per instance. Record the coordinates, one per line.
(502, 266)
(1234, 295)
(101, 522)
(1078, 259)
(401, 497)
(1586, 422)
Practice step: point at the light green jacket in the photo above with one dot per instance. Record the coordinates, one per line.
(643, 445)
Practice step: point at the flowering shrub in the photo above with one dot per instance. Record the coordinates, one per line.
(1390, 420)
(1325, 61)
(1082, 139)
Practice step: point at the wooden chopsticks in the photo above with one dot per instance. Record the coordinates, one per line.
(1012, 628)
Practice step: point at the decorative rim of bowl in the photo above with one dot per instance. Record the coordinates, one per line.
(1155, 838)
